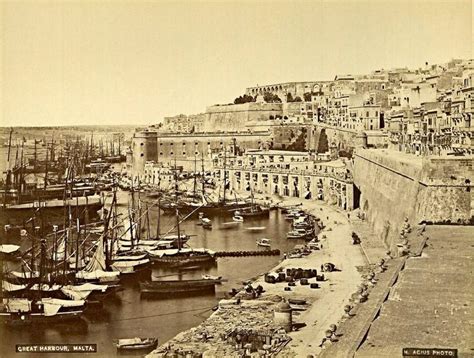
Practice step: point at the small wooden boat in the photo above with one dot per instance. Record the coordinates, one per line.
(297, 234)
(229, 225)
(9, 251)
(255, 211)
(204, 222)
(256, 228)
(263, 242)
(136, 344)
(238, 218)
(210, 277)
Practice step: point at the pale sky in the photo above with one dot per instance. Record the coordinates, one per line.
(134, 62)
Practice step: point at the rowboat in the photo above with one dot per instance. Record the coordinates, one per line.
(256, 228)
(136, 344)
(263, 242)
(238, 218)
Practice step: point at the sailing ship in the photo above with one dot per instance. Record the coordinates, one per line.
(22, 196)
(181, 256)
(125, 261)
(202, 203)
(39, 307)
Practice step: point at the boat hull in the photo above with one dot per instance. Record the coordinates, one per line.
(20, 319)
(207, 210)
(184, 260)
(173, 288)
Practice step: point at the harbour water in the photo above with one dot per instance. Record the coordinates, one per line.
(130, 315)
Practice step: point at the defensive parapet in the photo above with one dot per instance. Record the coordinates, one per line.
(394, 186)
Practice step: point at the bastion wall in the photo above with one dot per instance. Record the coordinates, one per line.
(394, 187)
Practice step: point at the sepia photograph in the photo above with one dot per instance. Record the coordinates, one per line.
(236, 178)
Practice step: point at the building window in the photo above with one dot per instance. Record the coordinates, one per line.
(141, 155)
(142, 143)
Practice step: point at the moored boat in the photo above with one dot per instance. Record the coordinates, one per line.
(136, 344)
(264, 242)
(178, 287)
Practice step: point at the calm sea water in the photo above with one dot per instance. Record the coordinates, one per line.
(129, 315)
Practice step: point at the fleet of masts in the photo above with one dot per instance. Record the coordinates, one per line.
(59, 272)
(95, 243)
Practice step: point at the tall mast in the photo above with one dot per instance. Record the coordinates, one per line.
(177, 228)
(9, 147)
(203, 180)
(46, 168)
(177, 211)
(194, 186)
(8, 178)
(113, 212)
(139, 223)
(147, 222)
(158, 223)
(21, 169)
(119, 151)
(225, 173)
(92, 143)
(131, 216)
(42, 271)
(77, 243)
(106, 235)
(35, 158)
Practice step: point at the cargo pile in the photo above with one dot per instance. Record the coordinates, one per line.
(236, 329)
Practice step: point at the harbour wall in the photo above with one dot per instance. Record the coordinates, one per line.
(394, 186)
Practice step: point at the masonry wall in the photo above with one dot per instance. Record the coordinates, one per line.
(144, 148)
(394, 187)
(236, 117)
(165, 148)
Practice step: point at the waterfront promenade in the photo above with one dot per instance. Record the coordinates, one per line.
(326, 303)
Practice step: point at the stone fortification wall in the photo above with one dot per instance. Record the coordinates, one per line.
(338, 137)
(394, 186)
(144, 148)
(165, 148)
(448, 190)
(236, 117)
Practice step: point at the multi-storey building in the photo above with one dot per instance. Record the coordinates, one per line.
(293, 174)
